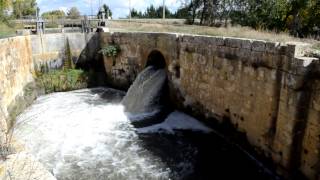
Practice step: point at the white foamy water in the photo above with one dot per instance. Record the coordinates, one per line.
(176, 121)
(78, 137)
(145, 94)
(81, 135)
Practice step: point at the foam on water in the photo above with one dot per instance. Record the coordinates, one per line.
(145, 94)
(176, 121)
(82, 135)
(78, 139)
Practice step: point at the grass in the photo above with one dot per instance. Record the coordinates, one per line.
(6, 31)
(316, 46)
(235, 31)
(62, 80)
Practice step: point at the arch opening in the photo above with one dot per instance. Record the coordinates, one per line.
(156, 59)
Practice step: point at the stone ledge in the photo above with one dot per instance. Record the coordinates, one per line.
(22, 165)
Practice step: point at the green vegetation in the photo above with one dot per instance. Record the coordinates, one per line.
(316, 46)
(300, 18)
(62, 80)
(68, 63)
(106, 10)
(152, 12)
(110, 50)
(65, 79)
(19, 9)
(53, 15)
(4, 5)
(73, 13)
(6, 30)
(30, 93)
(230, 31)
(24, 8)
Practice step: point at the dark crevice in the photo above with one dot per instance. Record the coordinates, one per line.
(275, 106)
(177, 71)
(301, 117)
(92, 62)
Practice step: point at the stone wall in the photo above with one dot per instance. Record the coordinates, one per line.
(18, 58)
(266, 90)
(15, 69)
(19, 55)
(50, 48)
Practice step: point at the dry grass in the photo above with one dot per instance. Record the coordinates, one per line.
(241, 32)
(316, 46)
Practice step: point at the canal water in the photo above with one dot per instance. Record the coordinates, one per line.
(87, 135)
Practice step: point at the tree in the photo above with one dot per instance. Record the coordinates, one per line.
(150, 12)
(106, 10)
(193, 8)
(182, 13)
(24, 8)
(153, 12)
(136, 14)
(159, 12)
(55, 14)
(73, 13)
(4, 5)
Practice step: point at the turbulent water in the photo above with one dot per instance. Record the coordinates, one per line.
(146, 94)
(86, 134)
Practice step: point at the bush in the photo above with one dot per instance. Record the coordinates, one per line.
(62, 80)
(110, 50)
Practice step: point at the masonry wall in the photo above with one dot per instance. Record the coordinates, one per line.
(50, 48)
(19, 56)
(264, 89)
(15, 70)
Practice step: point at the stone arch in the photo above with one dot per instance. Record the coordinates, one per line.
(156, 59)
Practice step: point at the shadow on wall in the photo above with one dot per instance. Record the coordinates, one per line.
(91, 61)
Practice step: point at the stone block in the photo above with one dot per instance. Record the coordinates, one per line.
(24, 166)
(233, 42)
(272, 47)
(258, 45)
(298, 49)
(218, 41)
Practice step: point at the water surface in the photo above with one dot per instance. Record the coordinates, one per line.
(85, 134)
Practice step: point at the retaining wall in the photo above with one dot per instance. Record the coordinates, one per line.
(266, 90)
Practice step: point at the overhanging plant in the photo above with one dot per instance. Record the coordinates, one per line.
(111, 50)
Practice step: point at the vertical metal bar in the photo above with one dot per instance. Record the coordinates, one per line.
(130, 9)
(164, 10)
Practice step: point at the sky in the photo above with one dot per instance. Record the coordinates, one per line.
(119, 8)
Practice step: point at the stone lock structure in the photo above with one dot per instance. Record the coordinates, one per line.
(267, 90)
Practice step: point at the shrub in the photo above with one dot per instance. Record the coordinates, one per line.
(63, 80)
(110, 50)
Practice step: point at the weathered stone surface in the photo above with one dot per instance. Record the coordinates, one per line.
(23, 166)
(265, 90)
(259, 46)
(259, 85)
(272, 47)
(49, 49)
(299, 49)
(15, 68)
(238, 43)
(18, 56)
